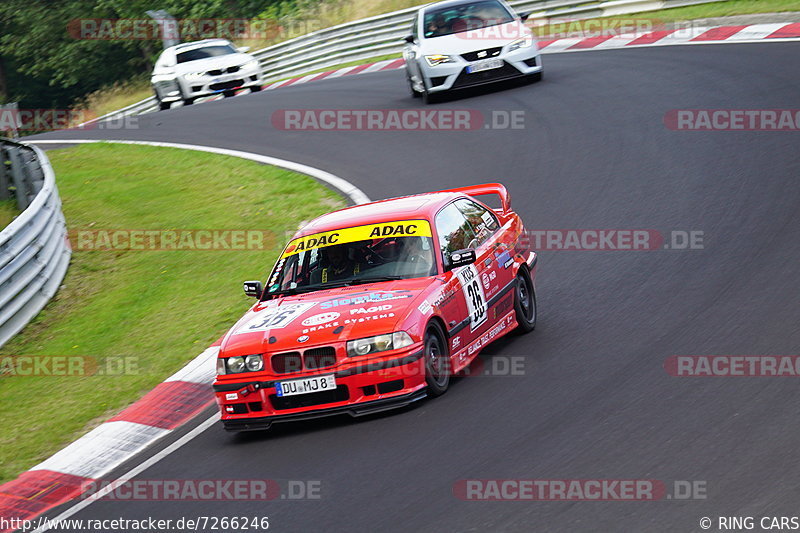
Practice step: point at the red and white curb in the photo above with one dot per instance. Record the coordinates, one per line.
(63, 476)
(678, 36)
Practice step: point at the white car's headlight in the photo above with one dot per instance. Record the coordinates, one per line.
(194, 75)
(379, 343)
(524, 42)
(438, 59)
(253, 63)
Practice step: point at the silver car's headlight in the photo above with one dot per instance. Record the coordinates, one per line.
(438, 59)
(194, 75)
(254, 363)
(524, 42)
(253, 63)
(379, 343)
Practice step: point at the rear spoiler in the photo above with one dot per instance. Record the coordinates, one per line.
(487, 188)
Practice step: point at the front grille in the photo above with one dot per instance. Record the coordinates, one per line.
(320, 357)
(285, 363)
(221, 71)
(312, 359)
(477, 55)
(339, 394)
(477, 78)
(225, 85)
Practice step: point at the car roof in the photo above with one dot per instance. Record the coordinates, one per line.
(445, 4)
(420, 206)
(199, 44)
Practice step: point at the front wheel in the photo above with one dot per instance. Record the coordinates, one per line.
(414, 93)
(255, 88)
(525, 302)
(229, 94)
(437, 361)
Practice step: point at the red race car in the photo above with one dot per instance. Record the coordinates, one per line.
(376, 306)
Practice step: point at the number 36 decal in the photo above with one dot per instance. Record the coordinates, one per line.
(473, 293)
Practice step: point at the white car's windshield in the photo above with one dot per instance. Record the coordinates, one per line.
(345, 257)
(464, 17)
(205, 52)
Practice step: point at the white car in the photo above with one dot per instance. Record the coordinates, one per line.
(190, 70)
(463, 43)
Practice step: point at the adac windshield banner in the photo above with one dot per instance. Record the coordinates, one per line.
(401, 228)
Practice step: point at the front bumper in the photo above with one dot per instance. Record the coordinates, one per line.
(361, 389)
(450, 76)
(177, 89)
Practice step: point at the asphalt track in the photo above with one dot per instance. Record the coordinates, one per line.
(594, 401)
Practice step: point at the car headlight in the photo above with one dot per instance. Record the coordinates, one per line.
(438, 59)
(253, 63)
(221, 367)
(379, 343)
(525, 42)
(254, 363)
(235, 364)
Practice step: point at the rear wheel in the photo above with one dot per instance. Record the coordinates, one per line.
(525, 302)
(437, 360)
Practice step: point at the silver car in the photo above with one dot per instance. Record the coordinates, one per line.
(457, 44)
(190, 70)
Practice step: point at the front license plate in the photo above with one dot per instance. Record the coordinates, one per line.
(486, 64)
(305, 385)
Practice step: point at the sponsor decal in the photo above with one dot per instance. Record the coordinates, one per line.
(403, 228)
(490, 335)
(231, 396)
(275, 317)
(370, 310)
(425, 307)
(322, 318)
(321, 327)
(503, 258)
(369, 318)
(444, 298)
(366, 298)
(474, 295)
(456, 342)
(488, 278)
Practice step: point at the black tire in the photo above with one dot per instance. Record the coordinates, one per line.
(428, 98)
(437, 360)
(255, 89)
(162, 106)
(188, 101)
(229, 94)
(525, 302)
(533, 78)
(414, 93)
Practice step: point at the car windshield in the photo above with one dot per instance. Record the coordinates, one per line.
(205, 52)
(350, 256)
(464, 17)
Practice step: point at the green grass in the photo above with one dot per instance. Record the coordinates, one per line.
(8, 211)
(160, 307)
(722, 9)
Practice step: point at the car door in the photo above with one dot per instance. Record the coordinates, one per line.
(494, 259)
(466, 313)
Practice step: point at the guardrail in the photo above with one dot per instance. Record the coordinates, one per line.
(34, 251)
(383, 35)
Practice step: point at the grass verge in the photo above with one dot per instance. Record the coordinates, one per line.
(158, 308)
(8, 212)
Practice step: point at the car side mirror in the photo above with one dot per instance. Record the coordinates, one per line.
(524, 16)
(243, 49)
(463, 257)
(253, 288)
(409, 39)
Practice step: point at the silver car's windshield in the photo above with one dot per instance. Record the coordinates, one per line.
(205, 52)
(464, 17)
